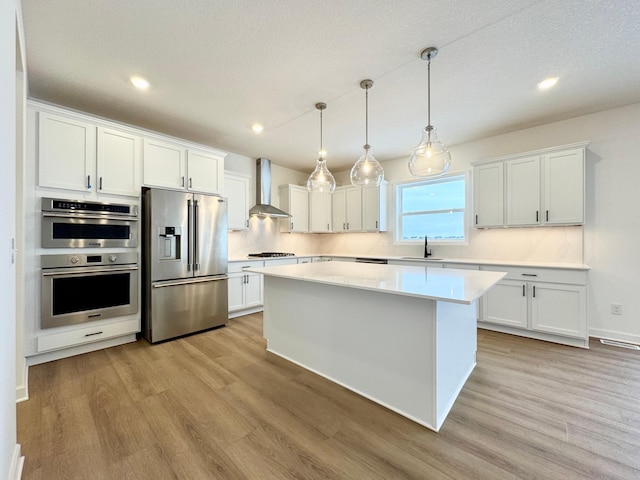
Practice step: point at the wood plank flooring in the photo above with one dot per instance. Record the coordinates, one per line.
(218, 406)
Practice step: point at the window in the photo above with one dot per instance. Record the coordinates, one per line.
(433, 208)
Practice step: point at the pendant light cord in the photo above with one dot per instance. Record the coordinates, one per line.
(321, 154)
(429, 93)
(366, 122)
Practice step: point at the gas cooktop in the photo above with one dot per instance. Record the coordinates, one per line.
(271, 254)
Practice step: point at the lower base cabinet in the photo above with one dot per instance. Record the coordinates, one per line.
(554, 308)
(245, 289)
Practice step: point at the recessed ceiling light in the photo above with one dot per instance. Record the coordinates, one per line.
(139, 82)
(257, 128)
(547, 83)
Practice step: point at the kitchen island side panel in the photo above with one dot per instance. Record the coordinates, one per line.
(381, 346)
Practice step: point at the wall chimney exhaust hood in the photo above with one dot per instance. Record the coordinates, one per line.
(263, 207)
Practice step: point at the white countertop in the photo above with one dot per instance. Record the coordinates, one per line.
(468, 261)
(457, 286)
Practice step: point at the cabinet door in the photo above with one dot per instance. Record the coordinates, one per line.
(339, 210)
(354, 209)
(253, 290)
(374, 209)
(66, 153)
(506, 304)
(205, 172)
(299, 209)
(488, 195)
(559, 309)
(236, 285)
(118, 162)
(164, 164)
(523, 191)
(236, 188)
(564, 187)
(319, 212)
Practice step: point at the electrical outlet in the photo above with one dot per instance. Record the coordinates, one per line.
(616, 309)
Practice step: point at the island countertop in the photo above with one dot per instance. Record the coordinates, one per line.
(456, 286)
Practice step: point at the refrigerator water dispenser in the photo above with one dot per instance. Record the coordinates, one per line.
(169, 243)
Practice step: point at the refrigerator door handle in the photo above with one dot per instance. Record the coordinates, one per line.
(196, 255)
(190, 236)
(173, 283)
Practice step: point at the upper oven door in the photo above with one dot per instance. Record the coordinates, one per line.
(85, 231)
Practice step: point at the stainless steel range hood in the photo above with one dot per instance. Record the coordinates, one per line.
(263, 207)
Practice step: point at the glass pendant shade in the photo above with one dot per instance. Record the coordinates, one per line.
(431, 157)
(367, 171)
(321, 179)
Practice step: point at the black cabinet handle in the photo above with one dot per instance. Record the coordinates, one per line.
(92, 334)
(547, 216)
(537, 216)
(190, 182)
(523, 291)
(529, 274)
(100, 183)
(476, 219)
(182, 181)
(534, 291)
(88, 181)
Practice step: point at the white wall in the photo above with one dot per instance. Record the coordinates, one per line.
(264, 233)
(610, 240)
(9, 11)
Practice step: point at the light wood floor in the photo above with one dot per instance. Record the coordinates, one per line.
(218, 406)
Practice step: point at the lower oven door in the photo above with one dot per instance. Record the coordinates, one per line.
(78, 295)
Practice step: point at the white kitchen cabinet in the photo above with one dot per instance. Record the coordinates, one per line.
(564, 187)
(488, 195)
(164, 164)
(347, 209)
(66, 153)
(236, 189)
(245, 289)
(117, 162)
(545, 187)
(205, 171)
(89, 334)
(320, 206)
(549, 304)
(80, 155)
(294, 200)
(177, 166)
(374, 208)
(523, 191)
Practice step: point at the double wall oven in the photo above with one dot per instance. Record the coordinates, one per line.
(83, 282)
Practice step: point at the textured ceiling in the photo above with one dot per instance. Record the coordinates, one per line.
(218, 66)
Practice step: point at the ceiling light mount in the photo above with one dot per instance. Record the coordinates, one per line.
(431, 157)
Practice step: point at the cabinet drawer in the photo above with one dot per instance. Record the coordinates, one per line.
(236, 267)
(280, 261)
(532, 274)
(80, 336)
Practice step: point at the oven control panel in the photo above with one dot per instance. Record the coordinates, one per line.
(84, 260)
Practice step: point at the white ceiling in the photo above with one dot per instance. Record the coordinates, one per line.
(218, 66)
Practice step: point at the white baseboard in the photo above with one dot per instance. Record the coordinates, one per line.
(17, 462)
(613, 335)
(22, 389)
(77, 350)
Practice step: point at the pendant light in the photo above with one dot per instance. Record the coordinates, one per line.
(367, 171)
(431, 157)
(321, 179)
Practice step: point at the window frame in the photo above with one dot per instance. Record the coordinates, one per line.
(397, 189)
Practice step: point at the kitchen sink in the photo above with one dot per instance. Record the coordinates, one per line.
(430, 259)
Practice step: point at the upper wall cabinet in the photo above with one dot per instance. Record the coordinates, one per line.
(295, 201)
(174, 165)
(539, 188)
(320, 212)
(118, 161)
(236, 189)
(488, 195)
(374, 208)
(78, 155)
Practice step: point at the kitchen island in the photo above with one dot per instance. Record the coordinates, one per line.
(401, 336)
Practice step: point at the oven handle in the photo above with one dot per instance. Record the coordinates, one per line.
(81, 271)
(91, 217)
(187, 282)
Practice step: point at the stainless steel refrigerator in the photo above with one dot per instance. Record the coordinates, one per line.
(184, 267)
